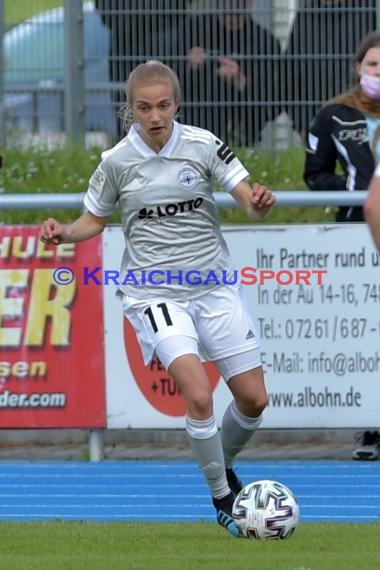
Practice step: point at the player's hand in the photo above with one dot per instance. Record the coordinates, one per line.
(262, 199)
(51, 231)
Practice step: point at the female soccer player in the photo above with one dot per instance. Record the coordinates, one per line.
(161, 175)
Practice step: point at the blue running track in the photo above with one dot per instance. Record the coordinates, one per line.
(169, 491)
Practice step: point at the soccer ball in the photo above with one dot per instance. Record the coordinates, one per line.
(266, 510)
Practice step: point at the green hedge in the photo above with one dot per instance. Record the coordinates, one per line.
(67, 171)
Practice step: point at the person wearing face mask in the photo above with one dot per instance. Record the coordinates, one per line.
(346, 132)
(318, 56)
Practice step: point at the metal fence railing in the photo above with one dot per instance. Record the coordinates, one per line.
(223, 200)
(65, 67)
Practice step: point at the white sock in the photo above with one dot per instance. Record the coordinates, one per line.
(205, 442)
(237, 430)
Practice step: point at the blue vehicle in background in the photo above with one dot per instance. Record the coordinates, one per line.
(34, 53)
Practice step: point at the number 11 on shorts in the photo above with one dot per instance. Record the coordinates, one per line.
(165, 313)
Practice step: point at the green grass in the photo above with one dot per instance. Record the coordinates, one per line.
(191, 546)
(38, 170)
(19, 10)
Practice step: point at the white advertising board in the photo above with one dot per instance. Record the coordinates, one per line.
(320, 333)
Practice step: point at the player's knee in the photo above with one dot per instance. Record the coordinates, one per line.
(200, 403)
(257, 408)
(260, 404)
(253, 406)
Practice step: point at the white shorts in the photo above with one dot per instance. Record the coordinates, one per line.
(172, 347)
(218, 321)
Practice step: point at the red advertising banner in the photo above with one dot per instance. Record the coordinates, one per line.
(52, 371)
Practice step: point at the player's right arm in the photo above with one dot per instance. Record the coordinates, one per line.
(99, 201)
(372, 207)
(85, 227)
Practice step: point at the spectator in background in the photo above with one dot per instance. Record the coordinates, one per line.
(346, 131)
(140, 30)
(322, 42)
(232, 76)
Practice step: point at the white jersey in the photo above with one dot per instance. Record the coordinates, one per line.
(168, 212)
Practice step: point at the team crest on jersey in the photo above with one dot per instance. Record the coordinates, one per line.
(188, 178)
(98, 179)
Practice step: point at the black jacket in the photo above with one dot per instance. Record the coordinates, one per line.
(339, 134)
(235, 115)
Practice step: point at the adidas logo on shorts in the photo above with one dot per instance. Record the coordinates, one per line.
(250, 334)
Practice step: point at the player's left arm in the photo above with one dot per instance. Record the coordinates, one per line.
(256, 200)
